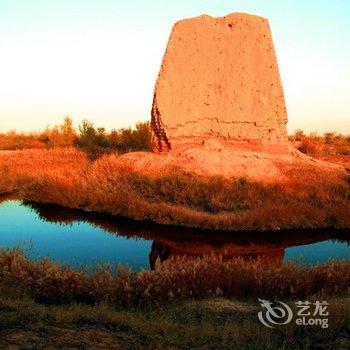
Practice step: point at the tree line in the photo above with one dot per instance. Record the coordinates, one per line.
(87, 137)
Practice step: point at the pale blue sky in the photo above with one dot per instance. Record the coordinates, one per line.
(100, 59)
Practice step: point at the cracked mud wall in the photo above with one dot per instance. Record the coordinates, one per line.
(219, 79)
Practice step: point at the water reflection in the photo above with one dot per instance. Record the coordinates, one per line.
(174, 241)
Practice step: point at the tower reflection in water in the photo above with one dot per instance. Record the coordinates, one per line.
(171, 241)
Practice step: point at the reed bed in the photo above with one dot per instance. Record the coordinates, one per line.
(176, 279)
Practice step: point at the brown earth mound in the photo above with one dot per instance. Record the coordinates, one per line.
(229, 162)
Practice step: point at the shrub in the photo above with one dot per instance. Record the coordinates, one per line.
(94, 141)
(330, 144)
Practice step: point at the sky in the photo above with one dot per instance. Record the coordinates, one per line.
(99, 59)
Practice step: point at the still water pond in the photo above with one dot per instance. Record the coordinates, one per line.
(84, 238)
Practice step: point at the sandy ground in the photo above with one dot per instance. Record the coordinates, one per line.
(219, 159)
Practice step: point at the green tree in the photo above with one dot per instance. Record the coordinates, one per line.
(87, 134)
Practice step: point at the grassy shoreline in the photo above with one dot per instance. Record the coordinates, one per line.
(183, 303)
(176, 279)
(69, 179)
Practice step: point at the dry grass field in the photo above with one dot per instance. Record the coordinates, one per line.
(183, 302)
(207, 324)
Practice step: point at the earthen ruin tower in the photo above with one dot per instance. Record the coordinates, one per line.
(219, 79)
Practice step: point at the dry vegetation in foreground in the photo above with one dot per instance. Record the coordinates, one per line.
(68, 178)
(208, 324)
(183, 303)
(43, 304)
(176, 279)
